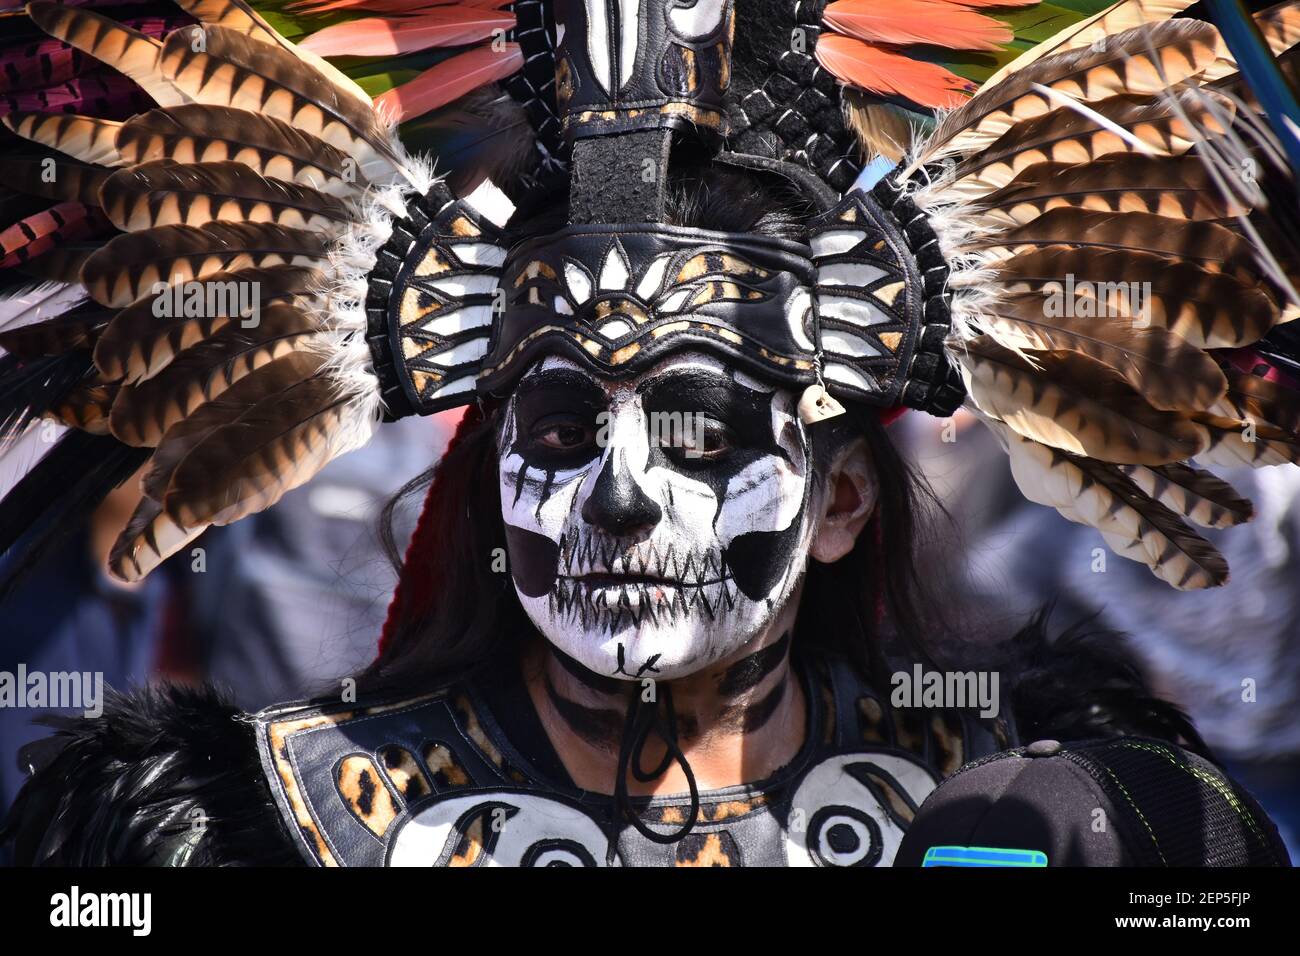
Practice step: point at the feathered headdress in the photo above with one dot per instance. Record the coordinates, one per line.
(1094, 253)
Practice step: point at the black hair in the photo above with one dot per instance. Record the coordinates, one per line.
(473, 619)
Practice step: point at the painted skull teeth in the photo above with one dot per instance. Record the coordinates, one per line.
(583, 552)
(607, 609)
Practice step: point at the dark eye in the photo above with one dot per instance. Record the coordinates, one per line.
(561, 433)
(698, 439)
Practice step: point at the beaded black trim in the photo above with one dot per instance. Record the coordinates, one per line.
(408, 295)
(379, 333)
(932, 383)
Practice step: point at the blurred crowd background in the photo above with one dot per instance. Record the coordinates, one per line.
(280, 606)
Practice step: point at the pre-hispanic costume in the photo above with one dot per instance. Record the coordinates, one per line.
(746, 235)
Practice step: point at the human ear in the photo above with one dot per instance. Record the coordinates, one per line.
(849, 502)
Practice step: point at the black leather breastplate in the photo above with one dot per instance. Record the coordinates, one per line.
(434, 781)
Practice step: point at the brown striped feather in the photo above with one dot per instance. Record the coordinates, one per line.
(1170, 374)
(1206, 244)
(131, 265)
(1176, 553)
(1074, 403)
(54, 179)
(163, 193)
(245, 466)
(1201, 497)
(75, 329)
(243, 19)
(1209, 309)
(1144, 60)
(149, 538)
(143, 412)
(1134, 525)
(1115, 19)
(267, 381)
(127, 51)
(1264, 402)
(1065, 135)
(269, 146)
(1233, 444)
(1178, 186)
(233, 70)
(137, 344)
(87, 138)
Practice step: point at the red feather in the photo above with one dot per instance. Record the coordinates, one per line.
(450, 80)
(382, 36)
(388, 6)
(906, 22)
(887, 73)
(42, 231)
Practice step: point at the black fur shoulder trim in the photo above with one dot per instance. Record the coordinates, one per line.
(1085, 684)
(167, 775)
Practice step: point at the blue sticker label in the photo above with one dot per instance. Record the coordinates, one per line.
(982, 856)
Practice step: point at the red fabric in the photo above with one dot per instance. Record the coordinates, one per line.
(416, 584)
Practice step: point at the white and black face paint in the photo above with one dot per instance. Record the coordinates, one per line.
(657, 524)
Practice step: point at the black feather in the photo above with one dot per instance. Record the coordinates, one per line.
(30, 388)
(56, 496)
(126, 788)
(1086, 684)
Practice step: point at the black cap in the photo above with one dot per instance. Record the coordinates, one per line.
(1118, 802)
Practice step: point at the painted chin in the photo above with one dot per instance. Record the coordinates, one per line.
(636, 627)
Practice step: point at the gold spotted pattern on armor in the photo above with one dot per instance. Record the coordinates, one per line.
(731, 809)
(890, 340)
(448, 774)
(895, 801)
(714, 263)
(909, 731)
(872, 720)
(474, 731)
(888, 294)
(278, 735)
(722, 291)
(707, 849)
(365, 794)
(563, 81)
(417, 305)
(534, 269)
(432, 264)
(949, 746)
(520, 347)
(404, 772)
(607, 308)
(690, 69)
(625, 353)
(425, 381)
(470, 847)
(465, 228)
(414, 348)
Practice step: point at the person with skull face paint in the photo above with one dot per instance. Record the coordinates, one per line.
(667, 570)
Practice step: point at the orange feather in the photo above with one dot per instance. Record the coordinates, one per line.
(456, 25)
(450, 80)
(905, 22)
(886, 73)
